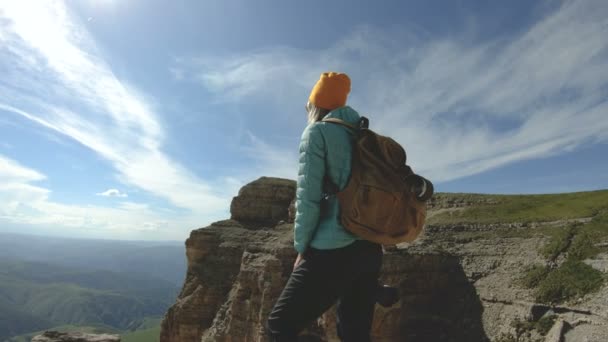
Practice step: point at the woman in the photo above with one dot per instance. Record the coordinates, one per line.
(332, 265)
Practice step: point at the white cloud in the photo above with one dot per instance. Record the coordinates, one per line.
(112, 193)
(11, 171)
(52, 56)
(26, 203)
(458, 108)
(271, 159)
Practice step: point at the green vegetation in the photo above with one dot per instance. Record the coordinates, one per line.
(583, 247)
(559, 242)
(545, 324)
(542, 326)
(14, 321)
(36, 296)
(573, 278)
(584, 243)
(534, 276)
(522, 208)
(570, 280)
(145, 335)
(568, 243)
(150, 322)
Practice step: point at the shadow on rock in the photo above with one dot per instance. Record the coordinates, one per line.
(438, 302)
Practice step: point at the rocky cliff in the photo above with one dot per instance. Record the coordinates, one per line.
(459, 282)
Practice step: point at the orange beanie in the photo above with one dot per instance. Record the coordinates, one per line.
(331, 91)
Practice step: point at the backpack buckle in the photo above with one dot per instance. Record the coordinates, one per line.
(363, 123)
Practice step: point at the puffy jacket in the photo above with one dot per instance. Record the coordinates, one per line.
(325, 149)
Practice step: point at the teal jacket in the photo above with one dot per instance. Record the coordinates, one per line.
(325, 149)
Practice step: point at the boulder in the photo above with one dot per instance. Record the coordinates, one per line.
(263, 202)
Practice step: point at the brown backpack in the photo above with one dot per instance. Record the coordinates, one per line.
(384, 201)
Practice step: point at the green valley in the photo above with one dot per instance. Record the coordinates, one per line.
(36, 296)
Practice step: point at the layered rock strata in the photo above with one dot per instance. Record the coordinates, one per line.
(263, 202)
(458, 283)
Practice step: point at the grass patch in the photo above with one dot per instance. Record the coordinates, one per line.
(583, 247)
(534, 275)
(145, 335)
(559, 242)
(583, 244)
(572, 279)
(150, 322)
(542, 326)
(562, 281)
(521, 208)
(545, 324)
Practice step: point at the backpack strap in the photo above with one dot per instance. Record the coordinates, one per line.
(328, 185)
(339, 122)
(363, 123)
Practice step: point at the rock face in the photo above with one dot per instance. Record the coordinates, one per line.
(455, 284)
(233, 275)
(55, 336)
(265, 201)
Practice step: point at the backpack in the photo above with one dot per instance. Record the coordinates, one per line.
(384, 201)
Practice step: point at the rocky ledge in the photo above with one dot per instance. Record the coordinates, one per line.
(455, 284)
(55, 336)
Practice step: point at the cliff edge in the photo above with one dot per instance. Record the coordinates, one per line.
(465, 279)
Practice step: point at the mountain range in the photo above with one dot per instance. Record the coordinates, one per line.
(47, 282)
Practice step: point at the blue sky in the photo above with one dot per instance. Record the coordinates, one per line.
(141, 119)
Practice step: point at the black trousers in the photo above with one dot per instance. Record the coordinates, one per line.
(348, 275)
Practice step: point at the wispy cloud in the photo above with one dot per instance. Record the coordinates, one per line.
(57, 78)
(11, 171)
(270, 160)
(459, 107)
(112, 193)
(16, 187)
(24, 202)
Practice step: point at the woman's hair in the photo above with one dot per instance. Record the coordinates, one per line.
(315, 113)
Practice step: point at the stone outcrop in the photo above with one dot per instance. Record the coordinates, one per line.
(218, 256)
(457, 283)
(265, 201)
(55, 336)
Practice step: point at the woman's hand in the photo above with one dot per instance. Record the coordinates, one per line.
(298, 260)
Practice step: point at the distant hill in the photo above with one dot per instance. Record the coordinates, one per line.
(149, 331)
(163, 260)
(35, 296)
(15, 321)
(144, 335)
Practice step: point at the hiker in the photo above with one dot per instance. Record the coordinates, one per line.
(332, 264)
